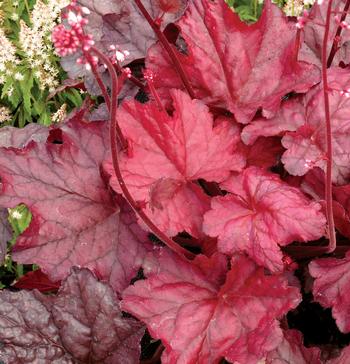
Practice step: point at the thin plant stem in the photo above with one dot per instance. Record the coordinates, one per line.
(98, 78)
(336, 39)
(168, 48)
(155, 95)
(27, 7)
(114, 151)
(328, 184)
(108, 63)
(297, 44)
(132, 78)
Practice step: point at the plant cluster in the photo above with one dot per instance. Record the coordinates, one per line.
(29, 68)
(203, 201)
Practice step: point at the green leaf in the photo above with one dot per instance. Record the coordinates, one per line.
(19, 218)
(26, 86)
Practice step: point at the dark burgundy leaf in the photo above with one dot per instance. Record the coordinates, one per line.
(37, 280)
(82, 324)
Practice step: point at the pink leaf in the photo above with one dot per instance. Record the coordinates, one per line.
(306, 147)
(200, 320)
(167, 154)
(247, 75)
(76, 220)
(261, 213)
(313, 184)
(288, 118)
(292, 351)
(82, 324)
(331, 287)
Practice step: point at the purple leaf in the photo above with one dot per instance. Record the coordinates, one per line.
(82, 324)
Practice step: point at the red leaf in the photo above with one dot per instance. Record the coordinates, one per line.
(313, 184)
(169, 153)
(264, 153)
(76, 220)
(37, 280)
(331, 287)
(170, 6)
(200, 320)
(306, 148)
(82, 324)
(292, 351)
(261, 213)
(247, 75)
(288, 118)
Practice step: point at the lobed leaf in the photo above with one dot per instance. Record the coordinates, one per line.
(82, 324)
(332, 281)
(169, 153)
(306, 147)
(260, 214)
(201, 319)
(75, 218)
(251, 66)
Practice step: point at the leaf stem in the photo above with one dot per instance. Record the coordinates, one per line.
(108, 63)
(336, 39)
(297, 44)
(114, 129)
(163, 40)
(328, 185)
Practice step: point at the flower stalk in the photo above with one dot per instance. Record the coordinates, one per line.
(162, 38)
(114, 151)
(329, 149)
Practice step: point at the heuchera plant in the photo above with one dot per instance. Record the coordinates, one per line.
(189, 198)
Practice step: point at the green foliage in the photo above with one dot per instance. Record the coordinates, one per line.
(248, 10)
(26, 97)
(33, 72)
(19, 219)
